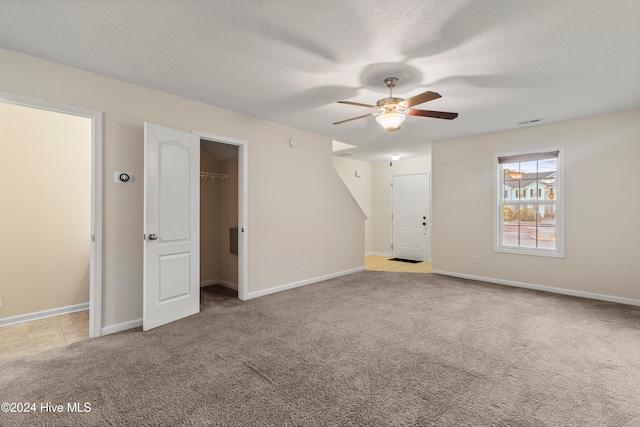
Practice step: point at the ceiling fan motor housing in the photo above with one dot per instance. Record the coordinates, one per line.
(389, 101)
(391, 105)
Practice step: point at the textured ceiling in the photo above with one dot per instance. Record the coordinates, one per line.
(495, 62)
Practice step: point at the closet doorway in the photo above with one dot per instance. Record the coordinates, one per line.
(52, 221)
(222, 213)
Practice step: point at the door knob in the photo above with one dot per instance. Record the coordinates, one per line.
(153, 236)
(424, 223)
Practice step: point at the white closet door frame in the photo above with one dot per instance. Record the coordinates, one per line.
(243, 203)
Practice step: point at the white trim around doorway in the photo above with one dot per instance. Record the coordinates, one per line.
(243, 203)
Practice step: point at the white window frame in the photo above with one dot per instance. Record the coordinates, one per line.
(498, 217)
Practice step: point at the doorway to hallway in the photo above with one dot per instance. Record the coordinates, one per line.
(51, 175)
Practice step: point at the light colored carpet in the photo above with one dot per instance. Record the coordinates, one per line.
(368, 349)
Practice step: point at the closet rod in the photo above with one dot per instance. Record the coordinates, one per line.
(213, 176)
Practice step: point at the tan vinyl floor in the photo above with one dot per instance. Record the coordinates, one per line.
(44, 334)
(381, 263)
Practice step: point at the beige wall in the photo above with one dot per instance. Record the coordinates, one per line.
(45, 219)
(382, 173)
(362, 190)
(218, 213)
(298, 208)
(209, 219)
(229, 219)
(602, 206)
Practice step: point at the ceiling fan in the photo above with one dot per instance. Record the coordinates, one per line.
(391, 112)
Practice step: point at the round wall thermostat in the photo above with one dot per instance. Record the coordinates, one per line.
(293, 143)
(122, 177)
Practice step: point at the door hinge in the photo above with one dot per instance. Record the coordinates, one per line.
(93, 237)
(144, 237)
(242, 230)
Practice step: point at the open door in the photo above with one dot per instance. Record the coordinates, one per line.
(171, 225)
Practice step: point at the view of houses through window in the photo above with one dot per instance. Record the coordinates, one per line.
(529, 201)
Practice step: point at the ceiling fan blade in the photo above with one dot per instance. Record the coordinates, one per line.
(434, 114)
(353, 118)
(419, 99)
(357, 104)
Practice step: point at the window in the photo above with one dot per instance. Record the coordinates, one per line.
(531, 225)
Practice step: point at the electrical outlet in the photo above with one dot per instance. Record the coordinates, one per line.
(476, 259)
(297, 263)
(316, 260)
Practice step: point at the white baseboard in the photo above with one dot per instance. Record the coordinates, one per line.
(108, 330)
(28, 317)
(302, 283)
(137, 323)
(377, 254)
(219, 282)
(590, 295)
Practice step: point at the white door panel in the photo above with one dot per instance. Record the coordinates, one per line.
(171, 225)
(174, 170)
(410, 216)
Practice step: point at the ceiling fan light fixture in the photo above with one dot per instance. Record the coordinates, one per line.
(391, 111)
(395, 157)
(391, 121)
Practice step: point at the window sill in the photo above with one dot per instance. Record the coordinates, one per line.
(529, 252)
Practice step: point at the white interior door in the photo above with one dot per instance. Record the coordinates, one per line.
(171, 225)
(410, 216)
